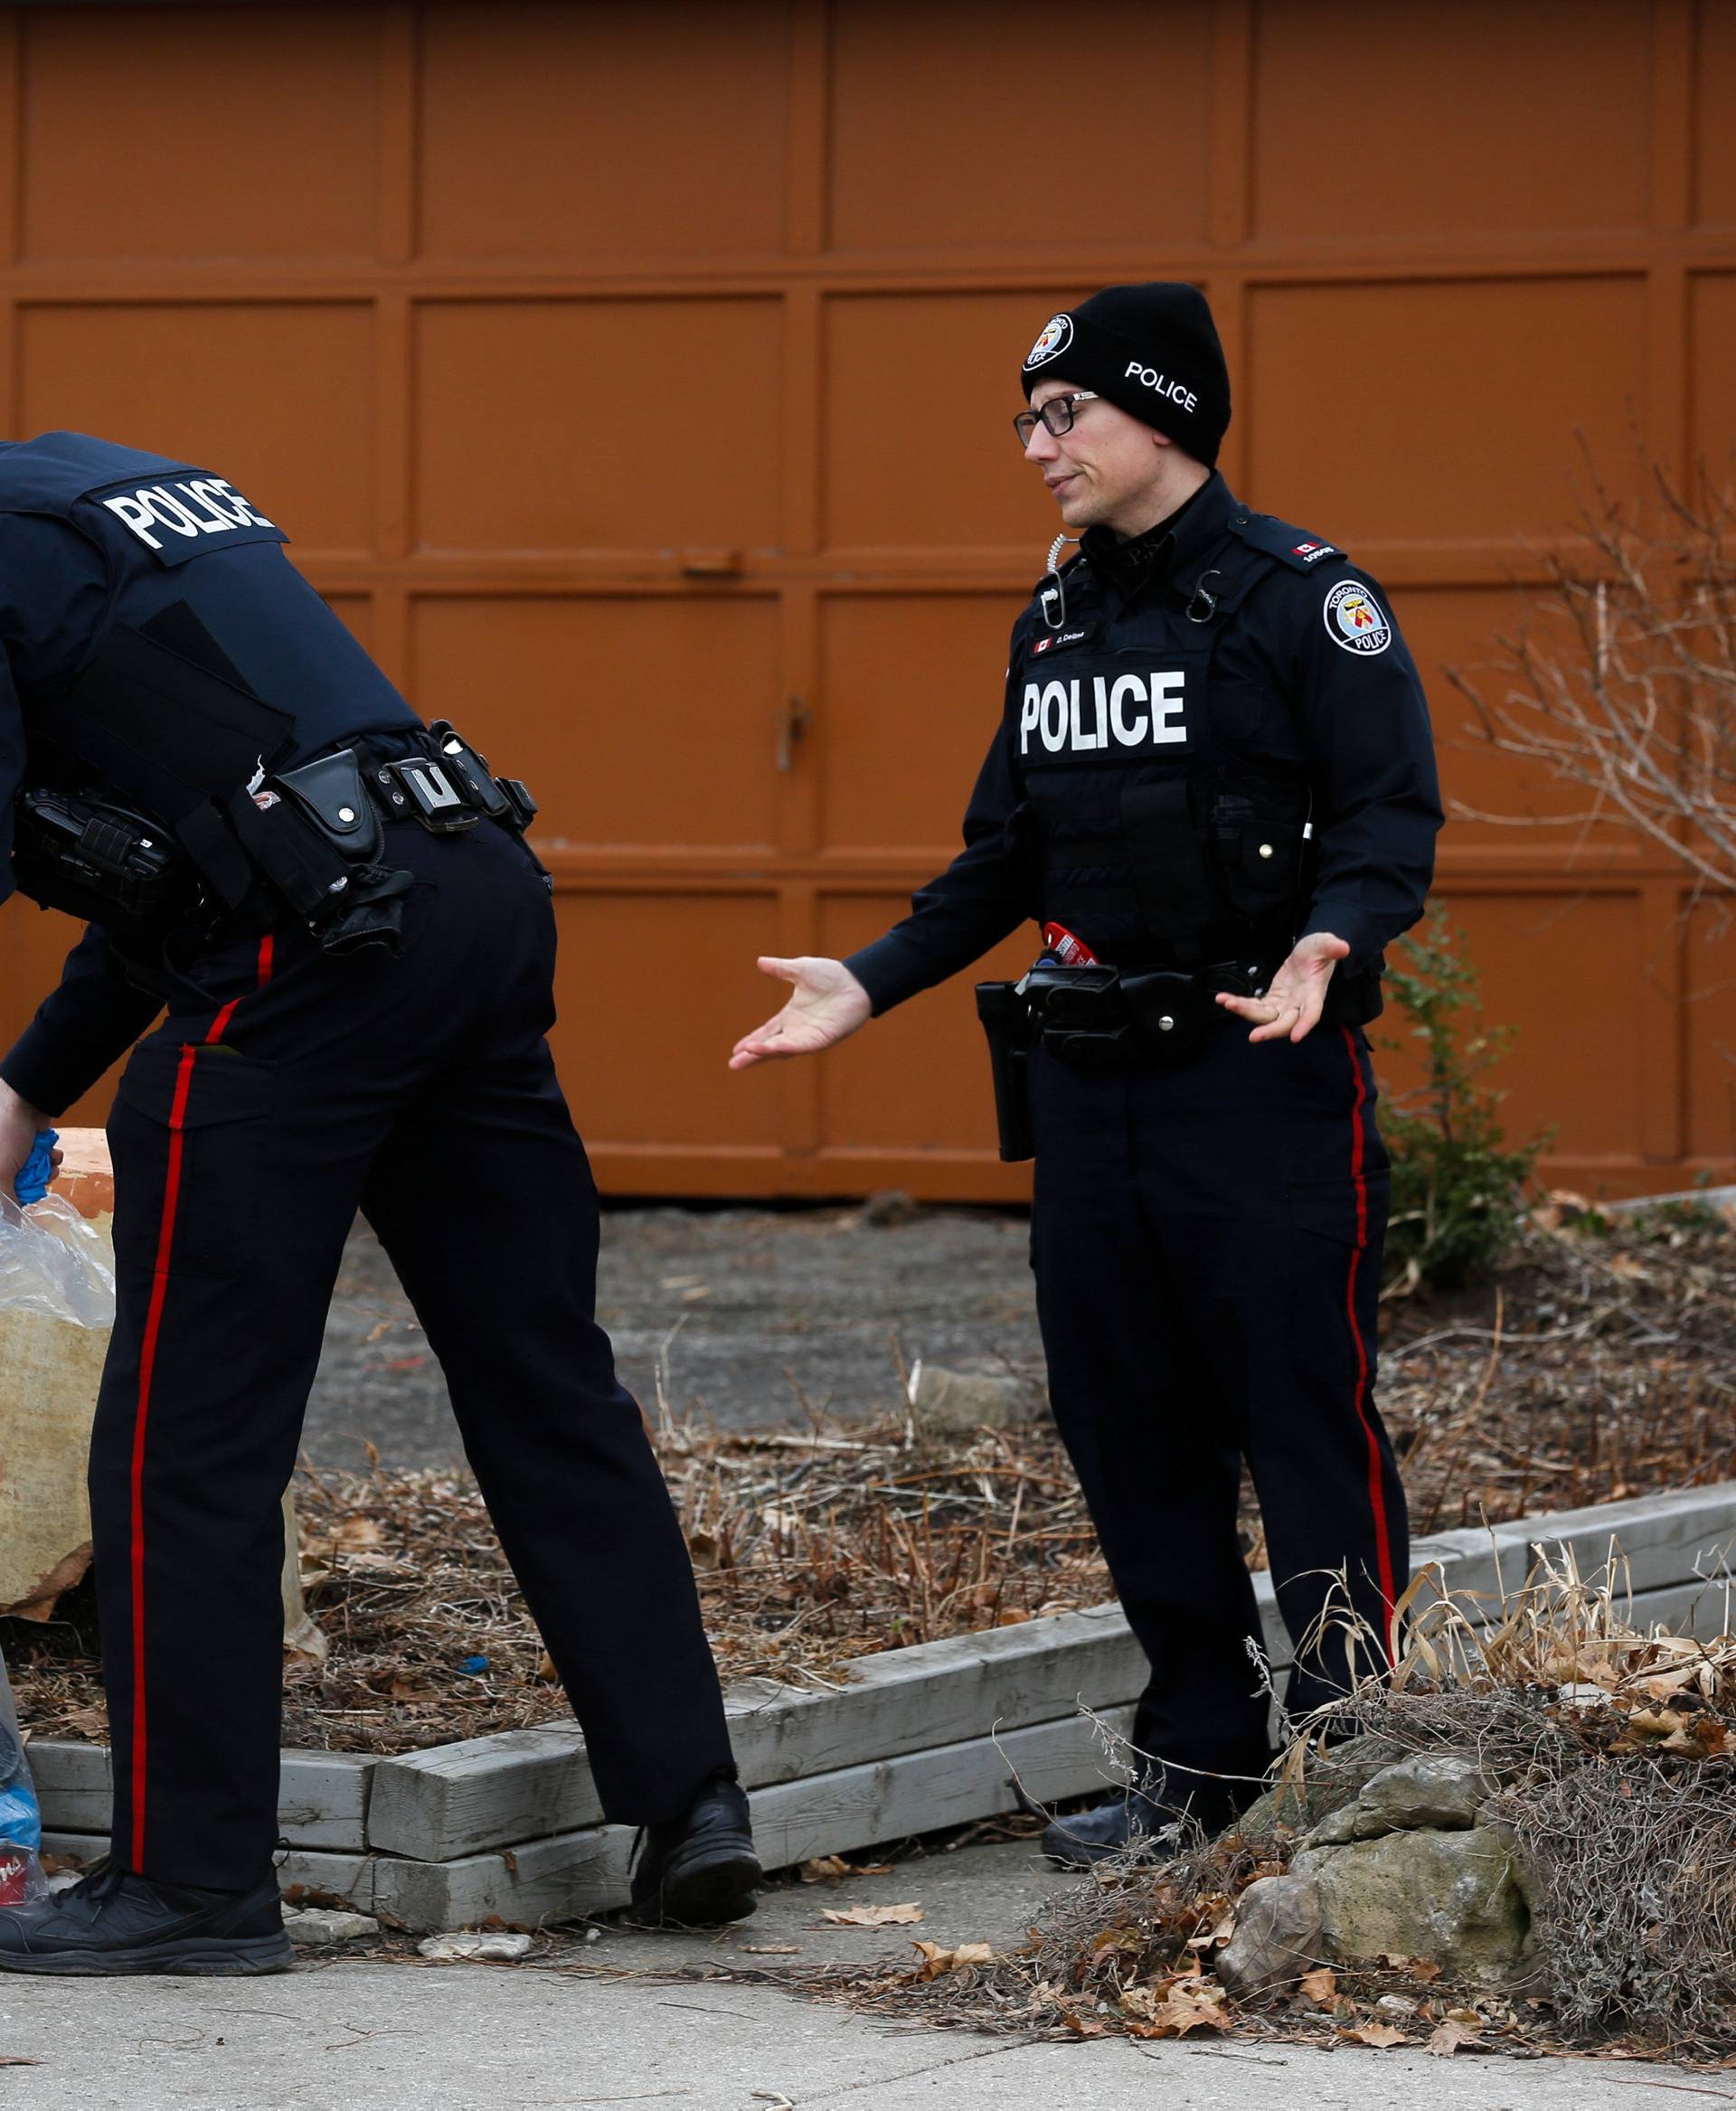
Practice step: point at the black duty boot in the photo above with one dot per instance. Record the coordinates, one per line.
(1133, 1817)
(114, 1922)
(699, 1869)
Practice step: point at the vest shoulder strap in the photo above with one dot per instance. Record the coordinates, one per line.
(1252, 547)
(50, 474)
(1275, 538)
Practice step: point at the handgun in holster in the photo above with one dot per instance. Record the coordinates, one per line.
(1007, 1020)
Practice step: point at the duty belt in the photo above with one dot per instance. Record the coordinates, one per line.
(329, 867)
(315, 834)
(1099, 1018)
(1106, 1019)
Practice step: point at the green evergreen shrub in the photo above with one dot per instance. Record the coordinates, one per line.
(1458, 1183)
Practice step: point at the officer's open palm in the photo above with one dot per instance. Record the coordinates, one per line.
(1291, 1009)
(826, 1005)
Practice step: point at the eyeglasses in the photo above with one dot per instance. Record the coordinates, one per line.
(1056, 416)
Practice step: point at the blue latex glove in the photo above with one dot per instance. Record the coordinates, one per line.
(38, 1168)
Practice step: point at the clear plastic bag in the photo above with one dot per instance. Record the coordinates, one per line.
(21, 1881)
(53, 1262)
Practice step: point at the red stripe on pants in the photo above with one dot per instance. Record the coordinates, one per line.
(220, 1024)
(1376, 1481)
(146, 1366)
(146, 1370)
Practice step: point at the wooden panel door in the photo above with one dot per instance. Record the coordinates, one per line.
(634, 383)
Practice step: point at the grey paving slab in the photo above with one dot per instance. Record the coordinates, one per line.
(730, 1302)
(448, 2037)
(985, 1893)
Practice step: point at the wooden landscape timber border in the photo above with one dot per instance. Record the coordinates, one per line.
(918, 1738)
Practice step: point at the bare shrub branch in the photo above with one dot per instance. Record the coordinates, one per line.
(1622, 681)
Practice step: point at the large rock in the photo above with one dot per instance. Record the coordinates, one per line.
(973, 1399)
(1442, 1791)
(1324, 1784)
(1451, 1898)
(1277, 1937)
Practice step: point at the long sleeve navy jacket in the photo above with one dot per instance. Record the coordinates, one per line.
(1355, 722)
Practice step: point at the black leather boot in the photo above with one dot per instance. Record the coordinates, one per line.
(1132, 1818)
(114, 1922)
(700, 1869)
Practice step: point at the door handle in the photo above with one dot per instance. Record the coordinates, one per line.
(796, 719)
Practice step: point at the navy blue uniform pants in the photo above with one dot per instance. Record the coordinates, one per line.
(1207, 1243)
(286, 1090)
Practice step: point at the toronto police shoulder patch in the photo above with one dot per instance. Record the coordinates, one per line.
(1355, 620)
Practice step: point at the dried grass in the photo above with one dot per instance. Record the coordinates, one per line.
(1596, 1367)
(1615, 1749)
(810, 1551)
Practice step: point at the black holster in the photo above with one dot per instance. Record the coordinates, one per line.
(100, 862)
(1007, 1020)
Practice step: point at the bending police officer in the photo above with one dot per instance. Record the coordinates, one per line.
(355, 946)
(1213, 784)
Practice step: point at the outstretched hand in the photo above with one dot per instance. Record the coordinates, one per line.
(826, 1005)
(1291, 1009)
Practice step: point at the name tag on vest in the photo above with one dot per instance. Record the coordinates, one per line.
(182, 516)
(1114, 713)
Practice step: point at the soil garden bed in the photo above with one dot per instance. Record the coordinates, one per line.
(1593, 1367)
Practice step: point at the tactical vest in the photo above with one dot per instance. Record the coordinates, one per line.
(1141, 829)
(159, 715)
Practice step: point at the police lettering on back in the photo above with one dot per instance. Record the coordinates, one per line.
(206, 505)
(1127, 711)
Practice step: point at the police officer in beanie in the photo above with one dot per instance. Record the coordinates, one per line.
(354, 942)
(1213, 784)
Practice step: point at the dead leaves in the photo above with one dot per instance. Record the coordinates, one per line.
(824, 1869)
(1455, 2035)
(353, 1546)
(1171, 2008)
(904, 1915)
(833, 1869)
(937, 1962)
(1382, 2036)
(1688, 1734)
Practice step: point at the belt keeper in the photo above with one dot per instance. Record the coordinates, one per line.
(438, 803)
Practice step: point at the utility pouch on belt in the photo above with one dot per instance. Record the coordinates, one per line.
(1170, 1011)
(470, 772)
(1078, 1015)
(364, 905)
(329, 793)
(316, 836)
(1007, 1020)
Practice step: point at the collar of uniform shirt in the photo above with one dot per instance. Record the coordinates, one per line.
(1129, 565)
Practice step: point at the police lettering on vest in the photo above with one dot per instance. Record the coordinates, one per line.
(187, 508)
(1131, 712)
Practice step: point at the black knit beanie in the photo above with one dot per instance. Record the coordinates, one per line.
(1152, 350)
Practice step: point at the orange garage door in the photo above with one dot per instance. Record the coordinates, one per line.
(634, 379)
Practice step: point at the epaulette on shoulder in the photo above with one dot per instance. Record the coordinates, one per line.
(1276, 538)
